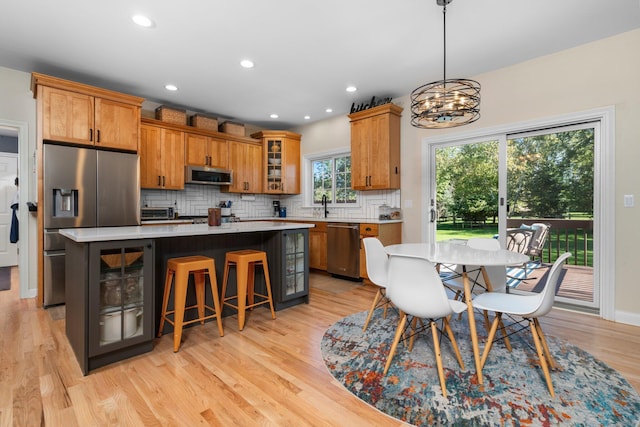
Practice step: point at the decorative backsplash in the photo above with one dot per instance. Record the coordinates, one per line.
(197, 199)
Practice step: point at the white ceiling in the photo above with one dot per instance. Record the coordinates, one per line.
(306, 52)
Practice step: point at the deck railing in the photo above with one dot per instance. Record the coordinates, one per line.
(565, 235)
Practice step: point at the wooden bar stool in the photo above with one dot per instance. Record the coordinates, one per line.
(245, 261)
(181, 268)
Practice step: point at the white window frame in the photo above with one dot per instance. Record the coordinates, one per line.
(307, 180)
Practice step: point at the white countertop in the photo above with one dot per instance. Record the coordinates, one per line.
(103, 234)
(456, 253)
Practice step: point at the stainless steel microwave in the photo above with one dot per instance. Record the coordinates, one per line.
(207, 175)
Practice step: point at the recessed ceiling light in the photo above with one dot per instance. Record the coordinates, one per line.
(142, 20)
(274, 116)
(171, 88)
(329, 110)
(246, 63)
(307, 117)
(351, 88)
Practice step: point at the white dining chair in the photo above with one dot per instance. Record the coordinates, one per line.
(416, 289)
(377, 271)
(496, 275)
(495, 280)
(529, 308)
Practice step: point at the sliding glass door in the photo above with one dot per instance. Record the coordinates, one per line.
(466, 196)
(550, 184)
(534, 191)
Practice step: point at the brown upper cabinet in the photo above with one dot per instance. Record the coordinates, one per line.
(281, 153)
(79, 114)
(161, 157)
(245, 160)
(375, 148)
(204, 150)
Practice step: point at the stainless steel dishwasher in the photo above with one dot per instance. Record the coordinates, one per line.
(343, 250)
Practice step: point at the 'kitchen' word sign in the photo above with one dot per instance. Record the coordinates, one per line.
(373, 103)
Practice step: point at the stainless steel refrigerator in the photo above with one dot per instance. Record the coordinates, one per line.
(83, 187)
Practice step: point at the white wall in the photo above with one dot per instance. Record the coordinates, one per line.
(18, 111)
(599, 74)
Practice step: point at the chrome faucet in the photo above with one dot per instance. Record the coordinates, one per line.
(324, 205)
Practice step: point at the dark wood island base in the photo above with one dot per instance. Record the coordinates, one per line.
(127, 291)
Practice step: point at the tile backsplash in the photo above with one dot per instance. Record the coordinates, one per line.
(196, 199)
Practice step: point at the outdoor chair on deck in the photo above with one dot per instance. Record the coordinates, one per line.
(528, 240)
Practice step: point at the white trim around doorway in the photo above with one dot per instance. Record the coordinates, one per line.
(26, 178)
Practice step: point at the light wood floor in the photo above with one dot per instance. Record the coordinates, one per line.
(269, 374)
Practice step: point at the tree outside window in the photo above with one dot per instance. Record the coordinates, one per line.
(332, 178)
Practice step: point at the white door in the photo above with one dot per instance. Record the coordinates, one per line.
(8, 174)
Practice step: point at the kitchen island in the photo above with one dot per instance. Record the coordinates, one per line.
(115, 278)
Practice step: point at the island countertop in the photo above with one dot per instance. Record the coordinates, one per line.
(105, 234)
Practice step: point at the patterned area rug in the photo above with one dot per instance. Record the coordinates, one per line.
(588, 392)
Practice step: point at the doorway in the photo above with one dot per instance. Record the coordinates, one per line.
(575, 153)
(20, 130)
(8, 191)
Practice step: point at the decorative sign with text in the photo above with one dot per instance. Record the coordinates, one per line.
(366, 105)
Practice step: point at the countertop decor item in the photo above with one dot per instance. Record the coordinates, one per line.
(448, 102)
(588, 392)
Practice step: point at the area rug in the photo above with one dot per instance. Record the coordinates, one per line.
(5, 278)
(588, 392)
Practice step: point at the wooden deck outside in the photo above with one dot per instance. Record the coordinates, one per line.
(576, 284)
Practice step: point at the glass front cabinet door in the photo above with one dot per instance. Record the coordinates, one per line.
(295, 269)
(120, 295)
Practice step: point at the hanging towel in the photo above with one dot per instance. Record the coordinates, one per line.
(14, 233)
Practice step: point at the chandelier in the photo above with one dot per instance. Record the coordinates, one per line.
(448, 102)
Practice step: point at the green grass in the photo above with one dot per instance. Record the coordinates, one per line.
(448, 230)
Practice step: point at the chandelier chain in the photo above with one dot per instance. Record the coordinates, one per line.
(448, 102)
(444, 33)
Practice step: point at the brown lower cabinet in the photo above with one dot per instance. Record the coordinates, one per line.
(318, 246)
(389, 234)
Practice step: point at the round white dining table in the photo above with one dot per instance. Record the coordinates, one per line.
(462, 255)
